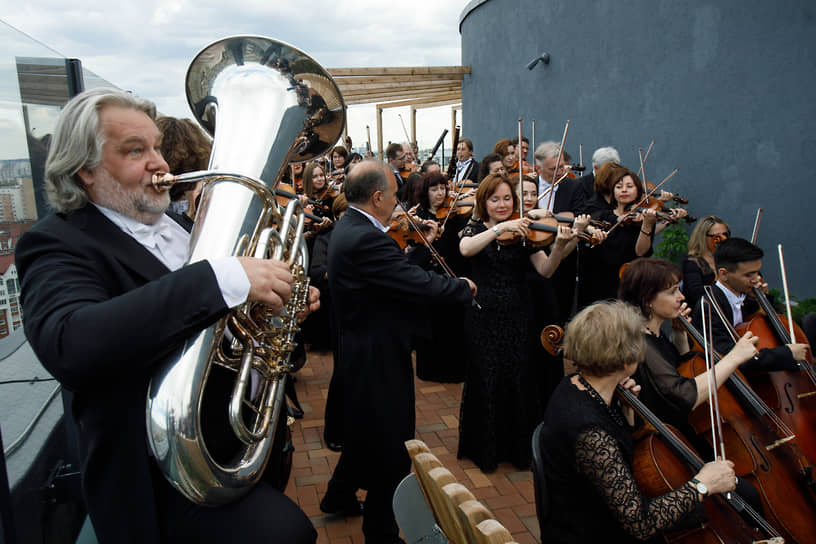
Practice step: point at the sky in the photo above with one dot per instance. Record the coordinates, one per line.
(146, 46)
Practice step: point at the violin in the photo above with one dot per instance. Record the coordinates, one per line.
(542, 233)
(284, 193)
(404, 231)
(763, 449)
(460, 207)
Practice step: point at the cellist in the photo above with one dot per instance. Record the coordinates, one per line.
(738, 264)
(587, 443)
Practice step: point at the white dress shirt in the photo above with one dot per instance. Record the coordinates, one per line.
(543, 186)
(735, 301)
(169, 242)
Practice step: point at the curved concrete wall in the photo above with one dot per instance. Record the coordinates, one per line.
(726, 90)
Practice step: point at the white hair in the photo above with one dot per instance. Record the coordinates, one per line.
(605, 155)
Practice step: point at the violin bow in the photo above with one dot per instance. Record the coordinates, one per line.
(434, 253)
(407, 138)
(532, 141)
(642, 170)
(809, 370)
(581, 156)
(757, 221)
(713, 402)
(558, 161)
(646, 197)
(521, 174)
(645, 157)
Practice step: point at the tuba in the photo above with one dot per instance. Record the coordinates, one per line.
(267, 104)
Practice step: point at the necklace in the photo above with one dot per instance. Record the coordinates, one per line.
(613, 413)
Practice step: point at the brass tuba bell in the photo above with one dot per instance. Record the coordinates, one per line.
(267, 104)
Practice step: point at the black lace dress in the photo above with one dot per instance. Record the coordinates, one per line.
(587, 451)
(500, 400)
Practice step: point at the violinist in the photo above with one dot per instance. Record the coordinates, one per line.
(500, 400)
(466, 166)
(492, 164)
(317, 189)
(430, 167)
(698, 266)
(507, 151)
(616, 188)
(587, 443)
(439, 356)
(559, 202)
(396, 157)
(738, 263)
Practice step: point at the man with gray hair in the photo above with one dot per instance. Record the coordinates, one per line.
(108, 297)
(547, 159)
(379, 298)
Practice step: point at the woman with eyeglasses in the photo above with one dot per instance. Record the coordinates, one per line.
(698, 266)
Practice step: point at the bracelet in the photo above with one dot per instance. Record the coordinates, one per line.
(495, 229)
(646, 233)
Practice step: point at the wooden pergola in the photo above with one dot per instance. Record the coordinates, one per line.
(395, 87)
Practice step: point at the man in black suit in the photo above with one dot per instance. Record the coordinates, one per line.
(738, 263)
(466, 166)
(396, 156)
(563, 280)
(378, 296)
(108, 298)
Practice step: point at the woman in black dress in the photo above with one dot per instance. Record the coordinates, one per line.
(653, 286)
(616, 188)
(698, 266)
(587, 442)
(500, 401)
(439, 357)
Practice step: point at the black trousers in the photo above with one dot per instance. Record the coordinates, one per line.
(379, 523)
(262, 515)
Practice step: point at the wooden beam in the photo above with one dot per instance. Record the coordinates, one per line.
(403, 85)
(439, 101)
(362, 80)
(401, 92)
(410, 98)
(423, 106)
(399, 70)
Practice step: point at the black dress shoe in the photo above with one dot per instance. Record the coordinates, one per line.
(293, 411)
(349, 507)
(333, 446)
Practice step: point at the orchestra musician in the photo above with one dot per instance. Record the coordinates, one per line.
(108, 298)
(738, 263)
(586, 183)
(466, 166)
(492, 164)
(316, 188)
(378, 295)
(698, 266)
(186, 148)
(507, 151)
(500, 404)
(587, 445)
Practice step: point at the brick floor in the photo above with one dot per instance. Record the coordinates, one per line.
(508, 492)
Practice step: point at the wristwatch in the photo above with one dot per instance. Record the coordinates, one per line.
(495, 228)
(700, 486)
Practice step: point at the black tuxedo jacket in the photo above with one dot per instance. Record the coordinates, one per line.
(585, 191)
(769, 359)
(101, 312)
(379, 297)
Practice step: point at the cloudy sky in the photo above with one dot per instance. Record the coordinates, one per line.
(146, 46)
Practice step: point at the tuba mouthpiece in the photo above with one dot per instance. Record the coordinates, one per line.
(162, 181)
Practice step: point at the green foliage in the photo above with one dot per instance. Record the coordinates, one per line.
(798, 307)
(673, 242)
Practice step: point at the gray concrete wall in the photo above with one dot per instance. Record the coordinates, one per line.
(724, 88)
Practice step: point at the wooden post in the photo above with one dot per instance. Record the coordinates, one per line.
(380, 135)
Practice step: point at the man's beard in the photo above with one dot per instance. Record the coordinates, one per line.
(132, 203)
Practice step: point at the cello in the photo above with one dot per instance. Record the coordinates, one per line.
(764, 450)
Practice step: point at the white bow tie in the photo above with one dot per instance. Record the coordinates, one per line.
(741, 299)
(152, 235)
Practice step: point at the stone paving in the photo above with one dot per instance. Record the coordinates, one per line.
(508, 492)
